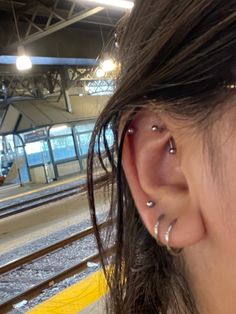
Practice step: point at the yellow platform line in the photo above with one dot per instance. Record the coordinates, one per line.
(76, 298)
(40, 189)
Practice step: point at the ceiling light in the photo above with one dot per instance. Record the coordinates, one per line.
(23, 62)
(108, 65)
(100, 73)
(116, 3)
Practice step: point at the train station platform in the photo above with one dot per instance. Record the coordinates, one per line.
(84, 297)
(9, 195)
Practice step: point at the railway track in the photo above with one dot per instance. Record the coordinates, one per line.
(49, 263)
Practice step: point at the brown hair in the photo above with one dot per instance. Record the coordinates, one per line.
(179, 54)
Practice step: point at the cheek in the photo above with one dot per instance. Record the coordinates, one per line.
(203, 191)
(215, 192)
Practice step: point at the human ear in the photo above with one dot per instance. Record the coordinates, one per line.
(151, 159)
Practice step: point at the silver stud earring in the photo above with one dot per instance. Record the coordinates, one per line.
(130, 131)
(150, 204)
(172, 149)
(155, 128)
(172, 251)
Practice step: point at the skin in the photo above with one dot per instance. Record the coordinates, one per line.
(197, 191)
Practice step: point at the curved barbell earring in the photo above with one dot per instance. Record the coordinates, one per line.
(172, 149)
(172, 251)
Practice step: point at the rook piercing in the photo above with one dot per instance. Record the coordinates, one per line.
(172, 149)
(156, 230)
(173, 251)
(150, 204)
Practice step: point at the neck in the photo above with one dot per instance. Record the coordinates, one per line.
(213, 284)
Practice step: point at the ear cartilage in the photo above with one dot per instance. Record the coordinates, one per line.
(130, 131)
(150, 204)
(172, 149)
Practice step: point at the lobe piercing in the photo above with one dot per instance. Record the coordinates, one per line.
(130, 131)
(172, 149)
(150, 204)
(173, 251)
(156, 230)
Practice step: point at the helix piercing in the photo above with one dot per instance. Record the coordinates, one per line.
(173, 251)
(130, 131)
(155, 128)
(156, 229)
(172, 149)
(150, 204)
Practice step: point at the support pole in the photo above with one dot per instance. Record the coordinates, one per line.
(65, 88)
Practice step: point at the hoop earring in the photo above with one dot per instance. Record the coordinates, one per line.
(156, 230)
(172, 251)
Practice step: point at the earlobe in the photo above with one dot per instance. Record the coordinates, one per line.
(151, 163)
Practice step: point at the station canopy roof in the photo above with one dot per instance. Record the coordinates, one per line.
(65, 39)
